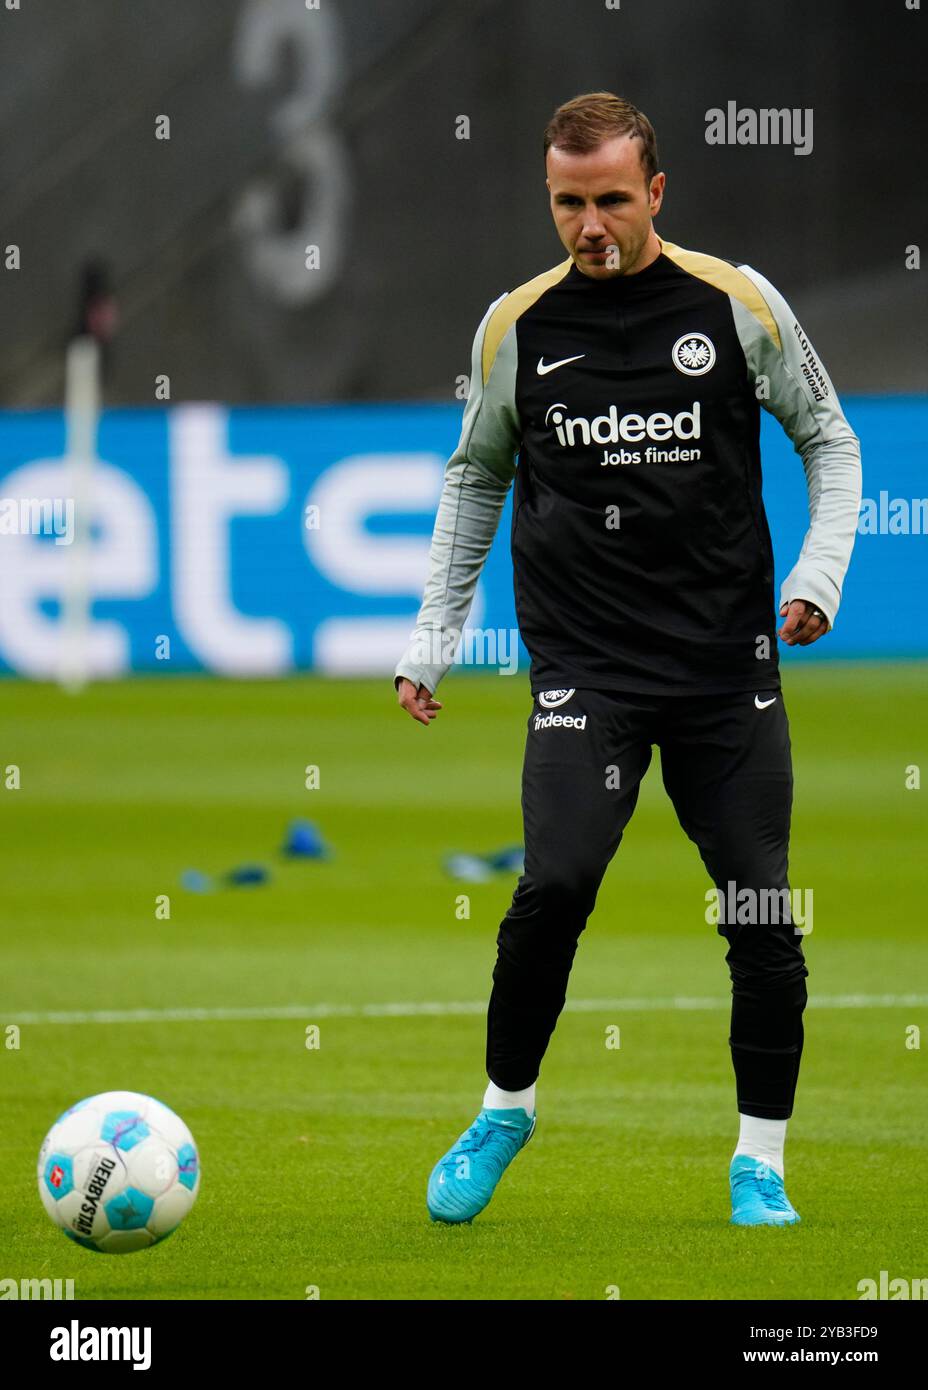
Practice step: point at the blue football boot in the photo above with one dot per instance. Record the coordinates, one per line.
(758, 1197)
(463, 1182)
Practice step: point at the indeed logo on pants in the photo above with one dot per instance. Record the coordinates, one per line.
(558, 721)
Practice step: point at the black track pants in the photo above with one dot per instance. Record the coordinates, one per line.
(727, 769)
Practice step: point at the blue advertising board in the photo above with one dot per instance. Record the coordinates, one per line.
(258, 541)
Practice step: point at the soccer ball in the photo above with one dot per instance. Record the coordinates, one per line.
(118, 1172)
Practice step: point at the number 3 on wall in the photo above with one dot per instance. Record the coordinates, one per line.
(297, 264)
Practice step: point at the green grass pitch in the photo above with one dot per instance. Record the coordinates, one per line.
(315, 1161)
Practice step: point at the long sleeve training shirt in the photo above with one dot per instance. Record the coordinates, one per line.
(626, 411)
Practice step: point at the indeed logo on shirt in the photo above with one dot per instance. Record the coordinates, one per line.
(632, 428)
(560, 721)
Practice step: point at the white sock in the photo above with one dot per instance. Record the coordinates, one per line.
(498, 1099)
(763, 1139)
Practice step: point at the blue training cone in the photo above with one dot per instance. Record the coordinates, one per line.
(246, 875)
(304, 841)
(508, 861)
(196, 882)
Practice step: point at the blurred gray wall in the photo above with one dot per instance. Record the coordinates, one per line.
(336, 127)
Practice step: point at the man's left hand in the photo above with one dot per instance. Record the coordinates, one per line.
(804, 623)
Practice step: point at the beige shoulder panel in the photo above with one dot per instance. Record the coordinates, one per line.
(514, 305)
(727, 278)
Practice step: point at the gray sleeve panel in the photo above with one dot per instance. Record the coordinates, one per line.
(478, 476)
(803, 399)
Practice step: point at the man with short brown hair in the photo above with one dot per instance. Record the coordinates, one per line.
(629, 381)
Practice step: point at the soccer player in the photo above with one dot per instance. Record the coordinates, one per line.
(629, 379)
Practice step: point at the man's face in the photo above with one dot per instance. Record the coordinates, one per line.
(601, 200)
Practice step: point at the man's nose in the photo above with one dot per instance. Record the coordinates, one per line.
(593, 228)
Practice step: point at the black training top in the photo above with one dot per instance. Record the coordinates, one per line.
(641, 554)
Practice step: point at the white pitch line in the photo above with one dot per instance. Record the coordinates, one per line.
(272, 1013)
